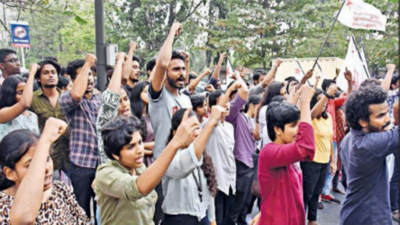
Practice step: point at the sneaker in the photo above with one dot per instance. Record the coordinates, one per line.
(330, 199)
(320, 205)
(395, 216)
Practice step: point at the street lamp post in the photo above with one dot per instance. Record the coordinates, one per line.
(100, 45)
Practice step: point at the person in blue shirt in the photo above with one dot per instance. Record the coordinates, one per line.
(364, 157)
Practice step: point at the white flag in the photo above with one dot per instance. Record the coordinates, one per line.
(354, 64)
(360, 15)
(364, 60)
(229, 68)
(298, 72)
(323, 75)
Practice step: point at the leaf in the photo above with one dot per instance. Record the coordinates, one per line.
(68, 13)
(80, 20)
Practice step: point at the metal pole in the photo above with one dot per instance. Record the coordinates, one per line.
(330, 30)
(100, 45)
(23, 57)
(366, 58)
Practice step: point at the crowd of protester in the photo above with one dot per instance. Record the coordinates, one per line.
(161, 151)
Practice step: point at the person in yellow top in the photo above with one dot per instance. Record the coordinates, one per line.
(314, 172)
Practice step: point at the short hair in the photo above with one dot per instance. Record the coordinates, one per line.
(278, 115)
(63, 71)
(213, 97)
(4, 52)
(51, 58)
(289, 80)
(45, 62)
(151, 64)
(233, 92)
(117, 133)
(177, 55)
(358, 102)
(253, 100)
(197, 101)
(8, 91)
(192, 76)
(63, 82)
(278, 98)
(394, 80)
(326, 83)
(73, 66)
(137, 59)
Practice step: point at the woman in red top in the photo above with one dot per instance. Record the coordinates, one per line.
(279, 174)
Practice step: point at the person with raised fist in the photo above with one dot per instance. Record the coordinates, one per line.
(80, 107)
(16, 97)
(28, 194)
(131, 69)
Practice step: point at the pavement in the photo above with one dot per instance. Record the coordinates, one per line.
(330, 215)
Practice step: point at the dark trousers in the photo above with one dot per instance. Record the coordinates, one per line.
(81, 180)
(244, 175)
(344, 178)
(394, 185)
(314, 175)
(221, 205)
(335, 180)
(158, 214)
(184, 220)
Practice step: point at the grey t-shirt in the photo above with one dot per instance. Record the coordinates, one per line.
(162, 106)
(256, 90)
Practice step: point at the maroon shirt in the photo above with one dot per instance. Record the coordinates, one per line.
(281, 179)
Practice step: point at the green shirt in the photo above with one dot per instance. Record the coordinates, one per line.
(42, 107)
(118, 196)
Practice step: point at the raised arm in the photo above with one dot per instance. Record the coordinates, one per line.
(81, 81)
(196, 81)
(127, 69)
(184, 136)
(9, 113)
(271, 74)
(164, 58)
(243, 91)
(115, 82)
(320, 104)
(225, 98)
(316, 82)
(201, 140)
(305, 78)
(349, 78)
(217, 69)
(388, 78)
(29, 196)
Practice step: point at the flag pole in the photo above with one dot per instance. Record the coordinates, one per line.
(329, 33)
(298, 63)
(366, 57)
(359, 55)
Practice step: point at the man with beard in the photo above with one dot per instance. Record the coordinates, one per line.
(80, 107)
(131, 69)
(364, 157)
(9, 64)
(45, 104)
(165, 98)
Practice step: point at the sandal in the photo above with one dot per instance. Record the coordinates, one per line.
(395, 216)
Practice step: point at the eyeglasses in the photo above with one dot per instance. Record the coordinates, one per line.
(13, 60)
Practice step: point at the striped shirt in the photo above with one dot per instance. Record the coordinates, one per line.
(81, 117)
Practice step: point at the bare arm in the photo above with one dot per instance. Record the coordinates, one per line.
(243, 91)
(81, 81)
(305, 78)
(316, 82)
(201, 140)
(29, 195)
(127, 69)
(217, 69)
(305, 99)
(151, 176)
(164, 58)
(225, 98)
(320, 104)
(388, 78)
(9, 113)
(271, 74)
(187, 64)
(347, 75)
(196, 81)
(115, 82)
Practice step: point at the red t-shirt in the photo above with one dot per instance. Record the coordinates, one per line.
(280, 179)
(333, 105)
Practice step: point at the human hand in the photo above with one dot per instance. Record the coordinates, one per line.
(235, 86)
(309, 74)
(256, 219)
(210, 88)
(53, 129)
(121, 56)
(132, 46)
(347, 75)
(187, 56)
(93, 184)
(390, 67)
(186, 132)
(176, 28)
(307, 93)
(216, 113)
(222, 57)
(332, 168)
(332, 90)
(207, 72)
(33, 68)
(90, 59)
(278, 62)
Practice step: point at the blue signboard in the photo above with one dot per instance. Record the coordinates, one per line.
(20, 35)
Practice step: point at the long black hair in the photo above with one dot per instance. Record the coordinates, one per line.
(137, 104)
(207, 166)
(314, 101)
(9, 90)
(12, 148)
(274, 89)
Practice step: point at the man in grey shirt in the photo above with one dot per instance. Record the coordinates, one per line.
(261, 81)
(165, 98)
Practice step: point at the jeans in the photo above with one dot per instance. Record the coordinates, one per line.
(313, 181)
(329, 177)
(394, 185)
(222, 205)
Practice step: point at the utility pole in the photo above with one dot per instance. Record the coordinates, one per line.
(100, 45)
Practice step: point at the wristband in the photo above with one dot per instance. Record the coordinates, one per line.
(328, 96)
